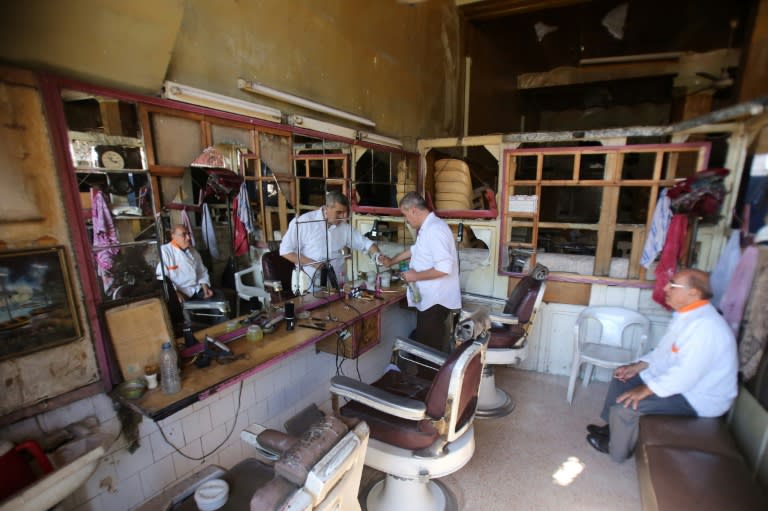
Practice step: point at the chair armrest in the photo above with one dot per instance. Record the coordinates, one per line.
(377, 398)
(420, 350)
(505, 319)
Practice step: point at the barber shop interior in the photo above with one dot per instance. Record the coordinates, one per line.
(384, 255)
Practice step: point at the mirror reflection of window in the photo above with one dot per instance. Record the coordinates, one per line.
(374, 183)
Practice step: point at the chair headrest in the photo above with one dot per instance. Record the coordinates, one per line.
(437, 397)
(522, 293)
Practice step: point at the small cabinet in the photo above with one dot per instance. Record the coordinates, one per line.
(354, 340)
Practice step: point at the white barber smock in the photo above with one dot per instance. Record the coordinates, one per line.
(435, 248)
(185, 268)
(696, 358)
(312, 237)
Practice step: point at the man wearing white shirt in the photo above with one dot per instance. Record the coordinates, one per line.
(692, 371)
(435, 271)
(322, 235)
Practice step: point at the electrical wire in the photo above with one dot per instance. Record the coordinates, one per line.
(226, 439)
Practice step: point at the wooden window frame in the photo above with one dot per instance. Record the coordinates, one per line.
(611, 184)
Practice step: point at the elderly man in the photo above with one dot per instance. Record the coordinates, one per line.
(183, 266)
(691, 372)
(322, 235)
(434, 270)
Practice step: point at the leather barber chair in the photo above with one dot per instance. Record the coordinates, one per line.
(276, 268)
(420, 429)
(508, 344)
(321, 470)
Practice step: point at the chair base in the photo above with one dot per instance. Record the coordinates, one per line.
(492, 402)
(503, 406)
(391, 493)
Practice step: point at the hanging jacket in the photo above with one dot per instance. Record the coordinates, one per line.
(673, 248)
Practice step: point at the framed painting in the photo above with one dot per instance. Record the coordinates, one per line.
(37, 308)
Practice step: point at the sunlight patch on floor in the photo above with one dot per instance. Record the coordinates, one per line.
(568, 471)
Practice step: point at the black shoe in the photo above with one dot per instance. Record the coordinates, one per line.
(599, 430)
(599, 442)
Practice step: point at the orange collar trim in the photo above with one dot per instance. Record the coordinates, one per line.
(694, 305)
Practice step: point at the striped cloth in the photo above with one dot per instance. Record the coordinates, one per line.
(654, 242)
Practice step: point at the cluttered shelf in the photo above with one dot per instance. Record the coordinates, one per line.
(252, 357)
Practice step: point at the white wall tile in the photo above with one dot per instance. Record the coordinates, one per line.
(128, 464)
(231, 455)
(22, 430)
(157, 476)
(92, 505)
(162, 448)
(216, 438)
(123, 496)
(223, 409)
(183, 465)
(197, 424)
(104, 408)
(66, 415)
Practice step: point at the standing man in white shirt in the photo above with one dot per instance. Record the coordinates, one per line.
(434, 269)
(322, 235)
(692, 371)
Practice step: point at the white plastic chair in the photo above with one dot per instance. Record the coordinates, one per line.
(245, 291)
(609, 343)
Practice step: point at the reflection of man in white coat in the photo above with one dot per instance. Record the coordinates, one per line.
(322, 235)
(184, 267)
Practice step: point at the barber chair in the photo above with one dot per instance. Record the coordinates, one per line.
(279, 269)
(321, 470)
(213, 309)
(420, 429)
(508, 344)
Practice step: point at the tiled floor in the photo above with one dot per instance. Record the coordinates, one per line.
(537, 458)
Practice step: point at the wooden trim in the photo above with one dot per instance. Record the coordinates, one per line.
(167, 171)
(53, 403)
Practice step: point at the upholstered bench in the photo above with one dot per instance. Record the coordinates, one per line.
(703, 463)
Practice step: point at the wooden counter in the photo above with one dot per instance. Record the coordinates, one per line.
(354, 315)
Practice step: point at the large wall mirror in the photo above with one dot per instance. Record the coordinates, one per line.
(108, 160)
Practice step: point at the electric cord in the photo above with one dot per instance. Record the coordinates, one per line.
(226, 439)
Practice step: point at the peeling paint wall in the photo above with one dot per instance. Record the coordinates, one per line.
(394, 63)
(390, 62)
(28, 171)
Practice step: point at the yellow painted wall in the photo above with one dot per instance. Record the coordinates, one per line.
(28, 172)
(394, 63)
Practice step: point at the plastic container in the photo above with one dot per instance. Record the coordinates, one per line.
(254, 333)
(415, 293)
(170, 381)
(212, 494)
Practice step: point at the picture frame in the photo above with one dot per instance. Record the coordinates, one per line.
(37, 306)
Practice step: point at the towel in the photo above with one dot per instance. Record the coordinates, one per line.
(209, 233)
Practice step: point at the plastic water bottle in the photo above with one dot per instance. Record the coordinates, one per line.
(170, 380)
(415, 293)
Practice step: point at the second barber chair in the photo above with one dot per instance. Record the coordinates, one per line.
(421, 430)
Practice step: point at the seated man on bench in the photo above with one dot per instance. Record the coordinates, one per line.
(691, 372)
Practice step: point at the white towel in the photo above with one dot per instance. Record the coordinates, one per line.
(657, 234)
(244, 208)
(209, 233)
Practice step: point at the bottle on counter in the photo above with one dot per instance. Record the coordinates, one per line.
(170, 381)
